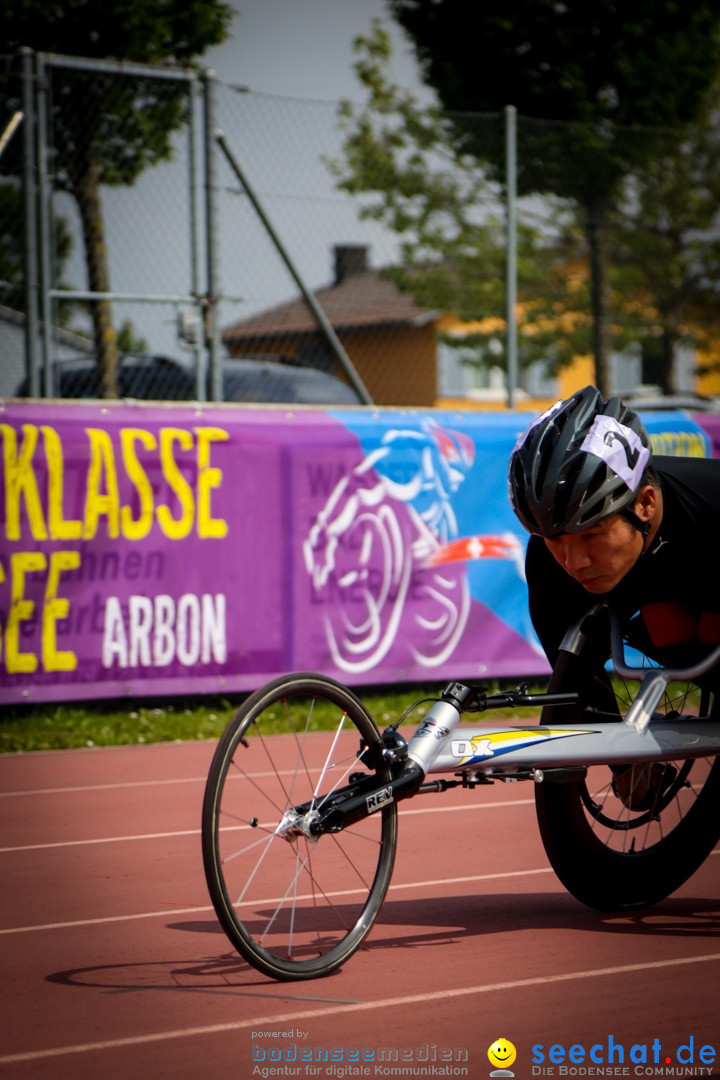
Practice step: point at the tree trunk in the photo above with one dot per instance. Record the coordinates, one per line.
(659, 360)
(668, 342)
(597, 238)
(88, 196)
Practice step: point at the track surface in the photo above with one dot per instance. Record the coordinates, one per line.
(112, 963)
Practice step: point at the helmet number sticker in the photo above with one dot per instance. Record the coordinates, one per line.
(535, 423)
(619, 447)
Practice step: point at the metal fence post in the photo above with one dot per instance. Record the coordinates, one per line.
(32, 324)
(511, 269)
(44, 228)
(211, 241)
(198, 349)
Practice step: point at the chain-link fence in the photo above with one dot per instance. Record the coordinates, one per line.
(107, 190)
(313, 253)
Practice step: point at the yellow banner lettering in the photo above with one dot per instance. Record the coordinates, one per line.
(25, 562)
(57, 607)
(20, 482)
(60, 528)
(137, 528)
(101, 500)
(176, 528)
(208, 478)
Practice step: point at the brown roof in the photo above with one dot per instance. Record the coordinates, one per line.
(362, 300)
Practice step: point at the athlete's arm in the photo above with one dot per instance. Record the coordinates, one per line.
(557, 603)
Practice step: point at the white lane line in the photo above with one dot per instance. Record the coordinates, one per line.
(106, 787)
(361, 1006)
(120, 784)
(271, 900)
(100, 840)
(196, 832)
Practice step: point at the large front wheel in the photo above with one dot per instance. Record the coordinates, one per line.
(626, 838)
(295, 905)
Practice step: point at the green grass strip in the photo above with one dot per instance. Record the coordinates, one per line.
(25, 728)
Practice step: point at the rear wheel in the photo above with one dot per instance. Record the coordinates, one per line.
(295, 905)
(626, 838)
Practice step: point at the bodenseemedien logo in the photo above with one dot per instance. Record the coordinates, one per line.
(502, 1054)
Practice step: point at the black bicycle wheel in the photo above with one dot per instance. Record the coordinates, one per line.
(295, 906)
(627, 838)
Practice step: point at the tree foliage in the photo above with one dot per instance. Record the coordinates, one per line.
(591, 83)
(666, 247)
(108, 128)
(401, 159)
(12, 271)
(635, 63)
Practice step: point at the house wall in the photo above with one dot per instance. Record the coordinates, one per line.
(398, 366)
(459, 387)
(409, 366)
(709, 383)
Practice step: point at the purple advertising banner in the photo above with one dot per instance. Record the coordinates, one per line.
(153, 550)
(710, 423)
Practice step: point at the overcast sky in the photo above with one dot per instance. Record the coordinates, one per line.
(290, 49)
(303, 48)
(294, 49)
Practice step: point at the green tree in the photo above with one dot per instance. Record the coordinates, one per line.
(12, 272)
(666, 249)
(584, 79)
(108, 129)
(401, 159)
(130, 341)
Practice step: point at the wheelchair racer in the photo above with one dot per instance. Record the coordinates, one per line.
(610, 522)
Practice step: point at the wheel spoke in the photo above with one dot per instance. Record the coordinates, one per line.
(261, 790)
(249, 881)
(328, 759)
(243, 851)
(350, 862)
(339, 782)
(300, 742)
(292, 886)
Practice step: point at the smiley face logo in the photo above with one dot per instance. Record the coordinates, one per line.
(502, 1054)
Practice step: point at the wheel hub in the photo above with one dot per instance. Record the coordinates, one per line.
(295, 824)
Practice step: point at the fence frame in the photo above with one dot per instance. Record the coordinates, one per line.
(203, 141)
(38, 202)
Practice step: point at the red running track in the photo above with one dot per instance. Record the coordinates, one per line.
(113, 965)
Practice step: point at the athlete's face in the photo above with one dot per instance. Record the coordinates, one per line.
(601, 556)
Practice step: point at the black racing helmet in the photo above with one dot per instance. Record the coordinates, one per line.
(579, 462)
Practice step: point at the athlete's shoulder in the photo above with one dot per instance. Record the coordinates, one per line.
(687, 468)
(689, 475)
(690, 486)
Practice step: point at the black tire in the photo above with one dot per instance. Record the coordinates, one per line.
(295, 907)
(612, 856)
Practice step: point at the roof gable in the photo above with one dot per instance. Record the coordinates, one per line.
(360, 301)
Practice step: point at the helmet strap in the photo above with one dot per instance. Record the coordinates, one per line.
(643, 527)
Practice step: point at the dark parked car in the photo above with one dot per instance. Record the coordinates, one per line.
(649, 401)
(149, 378)
(270, 381)
(158, 378)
